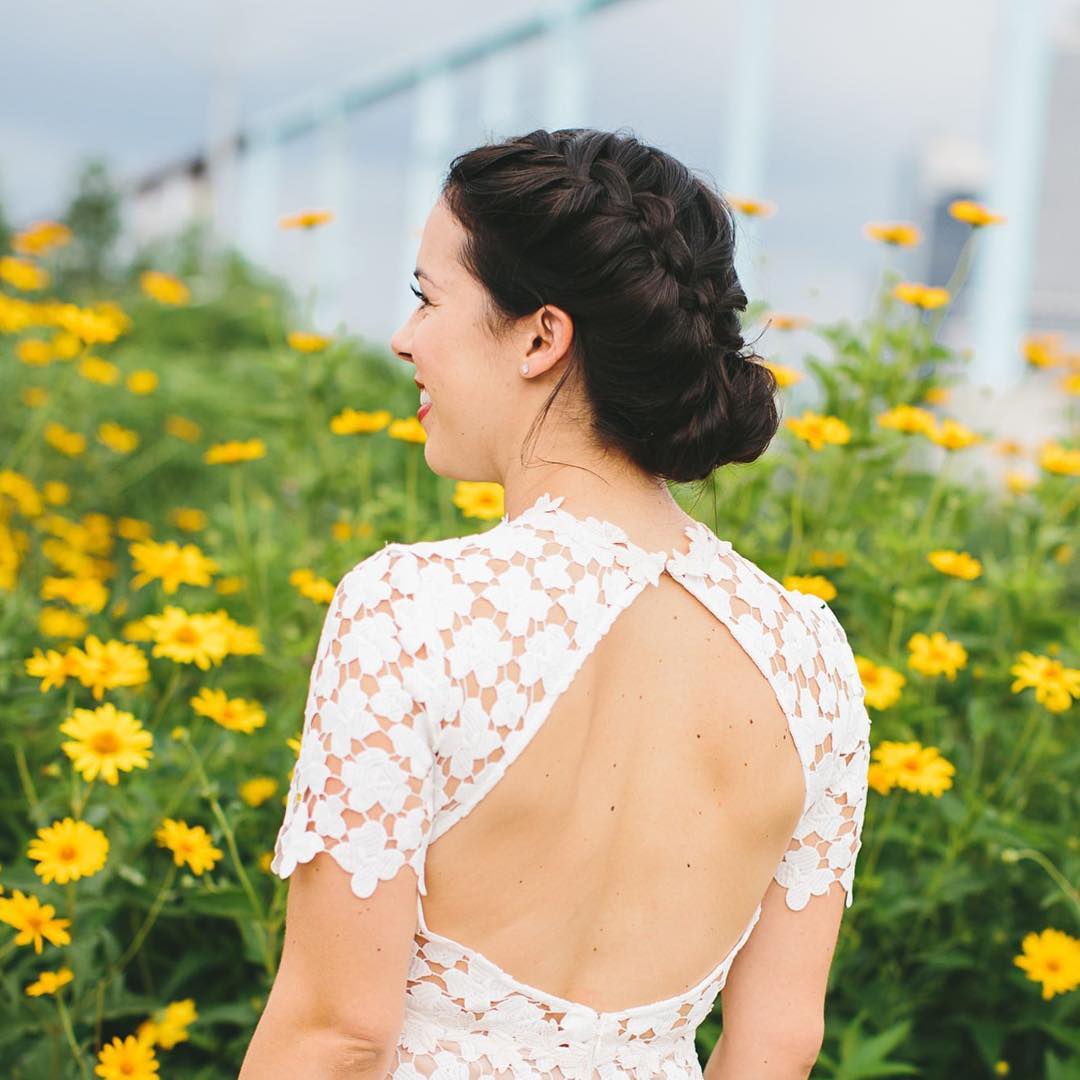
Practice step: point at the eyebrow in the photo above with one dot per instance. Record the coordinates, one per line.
(420, 274)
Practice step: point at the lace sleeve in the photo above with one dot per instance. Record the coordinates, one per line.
(828, 837)
(361, 789)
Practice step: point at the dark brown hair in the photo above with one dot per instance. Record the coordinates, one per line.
(639, 252)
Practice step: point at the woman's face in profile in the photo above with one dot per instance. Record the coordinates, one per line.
(475, 387)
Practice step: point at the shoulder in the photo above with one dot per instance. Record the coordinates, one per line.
(838, 659)
(377, 575)
(400, 569)
(414, 587)
(811, 633)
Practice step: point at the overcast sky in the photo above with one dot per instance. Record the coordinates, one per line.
(135, 81)
(857, 92)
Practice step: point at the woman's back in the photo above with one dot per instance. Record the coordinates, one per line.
(596, 759)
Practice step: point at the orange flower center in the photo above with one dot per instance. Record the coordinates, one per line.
(106, 742)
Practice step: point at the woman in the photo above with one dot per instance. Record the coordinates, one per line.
(654, 754)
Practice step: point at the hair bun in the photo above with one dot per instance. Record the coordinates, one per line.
(639, 251)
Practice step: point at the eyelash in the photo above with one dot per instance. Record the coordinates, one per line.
(419, 295)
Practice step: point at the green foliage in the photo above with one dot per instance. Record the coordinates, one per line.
(86, 267)
(863, 1057)
(948, 884)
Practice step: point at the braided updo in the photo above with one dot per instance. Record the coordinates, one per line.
(638, 251)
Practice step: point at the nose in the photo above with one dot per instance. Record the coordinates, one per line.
(398, 344)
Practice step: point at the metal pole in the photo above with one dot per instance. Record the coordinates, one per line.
(747, 129)
(1002, 273)
(433, 124)
(564, 89)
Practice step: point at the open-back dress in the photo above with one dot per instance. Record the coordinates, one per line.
(397, 747)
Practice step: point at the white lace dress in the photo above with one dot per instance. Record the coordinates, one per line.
(412, 755)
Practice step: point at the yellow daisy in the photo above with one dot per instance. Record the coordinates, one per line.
(41, 237)
(22, 274)
(234, 714)
(96, 370)
(164, 288)
(752, 207)
(142, 382)
(1055, 685)
(975, 214)
(105, 740)
(953, 435)
(68, 850)
(817, 430)
(355, 422)
(118, 438)
(61, 438)
(48, 982)
(34, 352)
(61, 623)
(896, 233)
(305, 219)
(188, 639)
(171, 563)
(182, 428)
(257, 790)
(188, 518)
(482, 499)
(239, 640)
(914, 767)
(785, 376)
(307, 343)
(168, 1026)
(33, 920)
(1052, 958)
(235, 450)
(956, 563)
(127, 1059)
(881, 683)
(812, 585)
(407, 430)
(51, 667)
(1055, 458)
(919, 295)
(189, 844)
(106, 665)
(935, 654)
(83, 592)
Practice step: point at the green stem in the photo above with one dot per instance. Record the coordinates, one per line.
(69, 1031)
(243, 540)
(1017, 782)
(794, 548)
(148, 922)
(879, 833)
(241, 873)
(956, 279)
(78, 803)
(9, 946)
(43, 415)
(1018, 748)
(413, 467)
(166, 697)
(944, 593)
(1059, 879)
(37, 811)
(156, 456)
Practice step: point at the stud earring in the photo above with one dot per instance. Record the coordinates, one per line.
(524, 369)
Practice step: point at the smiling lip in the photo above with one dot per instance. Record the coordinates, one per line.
(423, 411)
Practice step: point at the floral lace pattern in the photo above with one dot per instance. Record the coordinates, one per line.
(395, 751)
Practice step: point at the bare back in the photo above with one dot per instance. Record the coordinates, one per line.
(644, 819)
